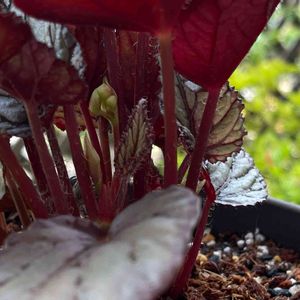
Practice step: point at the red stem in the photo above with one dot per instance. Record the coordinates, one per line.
(26, 186)
(80, 163)
(202, 138)
(141, 56)
(114, 74)
(181, 281)
(18, 200)
(103, 133)
(57, 194)
(3, 225)
(38, 172)
(170, 148)
(62, 170)
(93, 137)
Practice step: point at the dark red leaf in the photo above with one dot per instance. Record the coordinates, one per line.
(127, 46)
(90, 39)
(13, 34)
(213, 36)
(145, 70)
(136, 15)
(33, 73)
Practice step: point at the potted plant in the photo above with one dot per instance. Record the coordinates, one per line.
(111, 71)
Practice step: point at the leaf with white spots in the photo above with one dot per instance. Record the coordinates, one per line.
(71, 258)
(237, 181)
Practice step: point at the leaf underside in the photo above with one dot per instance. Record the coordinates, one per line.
(227, 132)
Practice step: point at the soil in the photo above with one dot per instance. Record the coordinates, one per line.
(246, 267)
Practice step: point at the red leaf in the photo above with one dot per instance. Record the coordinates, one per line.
(127, 42)
(146, 69)
(13, 34)
(32, 72)
(137, 15)
(90, 39)
(213, 36)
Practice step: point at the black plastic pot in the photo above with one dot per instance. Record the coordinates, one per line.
(276, 219)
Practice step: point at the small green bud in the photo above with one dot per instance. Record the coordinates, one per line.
(103, 102)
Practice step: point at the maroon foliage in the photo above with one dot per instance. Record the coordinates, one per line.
(30, 71)
(137, 15)
(212, 37)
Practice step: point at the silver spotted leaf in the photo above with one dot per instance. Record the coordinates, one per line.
(71, 258)
(136, 142)
(237, 181)
(227, 131)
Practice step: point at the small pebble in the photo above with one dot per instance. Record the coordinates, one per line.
(235, 258)
(215, 258)
(277, 259)
(227, 250)
(265, 257)
(201, 258)
(279, 292)
(249, 241)
(294, 289)
(240, 243)
(249, 235)
(258, 279)
(284, 266)
(211, 243)
(259, 238)
(208, 238)
(263, 249)
(218, 253)
(273, 272)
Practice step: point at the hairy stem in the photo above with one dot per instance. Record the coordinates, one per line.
(46, 159)
(18, 200)
(104, 139)
(180, 283)
(93, 137)
(80, 163)
(114, 74)
(62, 170)
(202, 138)
(170, 147)
(26, 186)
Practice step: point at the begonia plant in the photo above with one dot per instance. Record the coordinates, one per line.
(120, 77)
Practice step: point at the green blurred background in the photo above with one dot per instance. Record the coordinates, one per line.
(269, 80)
